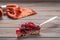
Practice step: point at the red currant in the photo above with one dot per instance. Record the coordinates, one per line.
(38, 27)
(18, 31)
(22, 25)
(30, 24)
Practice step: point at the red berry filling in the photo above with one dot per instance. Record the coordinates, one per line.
(23, 25)
(27, 27)
(18, 31)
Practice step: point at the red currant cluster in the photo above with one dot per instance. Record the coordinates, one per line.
(27, 28)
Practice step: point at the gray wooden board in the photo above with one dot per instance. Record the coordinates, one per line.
(45, 32)
(44, 11)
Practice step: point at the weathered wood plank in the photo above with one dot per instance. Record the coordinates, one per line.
(50, 32)
(44, 10)
(15, 25)
(30, 38)
(7, 32)
(22, 21)
(42, 4)
(40, 15)
(35, 17)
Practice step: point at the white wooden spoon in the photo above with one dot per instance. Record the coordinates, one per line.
(48, 20)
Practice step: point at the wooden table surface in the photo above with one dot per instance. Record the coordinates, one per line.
(45, 10)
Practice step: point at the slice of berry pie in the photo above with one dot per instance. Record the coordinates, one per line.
(28, 29)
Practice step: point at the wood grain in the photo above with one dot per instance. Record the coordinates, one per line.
(44, 11)
(48, 32)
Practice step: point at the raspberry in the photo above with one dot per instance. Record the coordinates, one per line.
(23, 30)
(38, 27)
(18, 31)
(22, 25)
(30, 24)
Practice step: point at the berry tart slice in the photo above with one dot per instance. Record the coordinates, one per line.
(28, 29)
